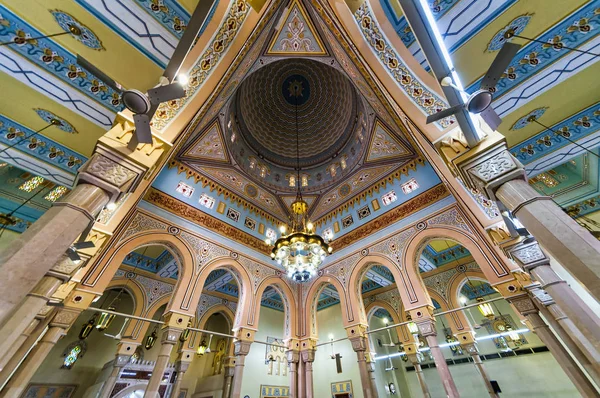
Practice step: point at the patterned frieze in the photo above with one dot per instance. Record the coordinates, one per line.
(440, 282)
(153, 289)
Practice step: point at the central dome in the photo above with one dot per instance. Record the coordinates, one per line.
(323, 98)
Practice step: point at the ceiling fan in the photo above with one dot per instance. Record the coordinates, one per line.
(479, 102)
(140, 104)
(143, 105)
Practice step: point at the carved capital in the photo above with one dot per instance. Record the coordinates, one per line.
(426, 327)
(111, 172)
(121, 360)
(308, 355)
(411, 349)
(185, 355)
(528, 256)
(293, 356)
(540, 294)
(170, 335)
(292, 344)
(487, 166)
(127, 347)
(359, 343)
(65, 317)
(524, 305)
(241, 347)
(182, 366)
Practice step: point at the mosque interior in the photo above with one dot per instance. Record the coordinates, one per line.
(299, 198)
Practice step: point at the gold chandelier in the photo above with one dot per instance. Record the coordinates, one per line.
(300, 250)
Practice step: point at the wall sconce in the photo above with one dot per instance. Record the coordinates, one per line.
(201, 348)
(88, 327)
(485, 308)
(105, 319)
(151, 339)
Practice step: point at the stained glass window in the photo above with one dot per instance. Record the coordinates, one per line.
(389, 197)
(55, 193)
(409, 186)
(31, 184)
(72, 357)
(207, 201)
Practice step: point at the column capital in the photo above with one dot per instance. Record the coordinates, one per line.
(523, 304)
(426, 327)
(65, 317)
(244, 337)
(357, 336)
(293, 356)
(528, 255)
(411, 350)
(170, 335)
(111, 172)
(308, 344)
(536, 291)
(182, 366)
(121, 360)
(308, 355)
(467, 341)
(185, 355)
(486, 166)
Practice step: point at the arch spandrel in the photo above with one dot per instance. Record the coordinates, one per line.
(103, 271)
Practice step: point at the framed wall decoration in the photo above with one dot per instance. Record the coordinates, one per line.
(342, 389)
(49, 391)
(274, 391)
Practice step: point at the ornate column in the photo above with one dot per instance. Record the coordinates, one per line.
(532, 258)
(564, 328)
(30, 256)
(527, 308)
(125, 350)
(181, 366)
(293, 357)
(358, 338)
(492, 169)
(18, 342)
(243, 339)
(172, 329)
(412, 352)
(26, 312)
(59, 325)
(307, 355)
(14, 360)
(229, 371)
(423, 318)
(467, 342)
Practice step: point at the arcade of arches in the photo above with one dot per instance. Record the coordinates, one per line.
(465, 253)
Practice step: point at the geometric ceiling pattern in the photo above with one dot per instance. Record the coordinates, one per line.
(348, 140)
(41, 81)
(557, 85)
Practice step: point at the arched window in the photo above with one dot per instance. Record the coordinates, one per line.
(73, 352)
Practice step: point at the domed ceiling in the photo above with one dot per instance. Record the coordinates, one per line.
(262, 120)
(245, 147)
(268, 101)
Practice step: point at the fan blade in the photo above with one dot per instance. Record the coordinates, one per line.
(187, 41)
(442, 114)
(499, 65)
(166, 93)
(73, 255)
(143, 133)
(490, 116)
(83, 245)
(99, 74)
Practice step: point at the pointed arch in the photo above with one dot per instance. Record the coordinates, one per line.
(406, 287)
(289, 302)
(308, 308)
(243, 279)
(101, 273)
(490, 264)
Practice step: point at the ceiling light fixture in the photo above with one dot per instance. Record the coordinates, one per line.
(302, 250)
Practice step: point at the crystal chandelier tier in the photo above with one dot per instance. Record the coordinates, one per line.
(301, 250)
